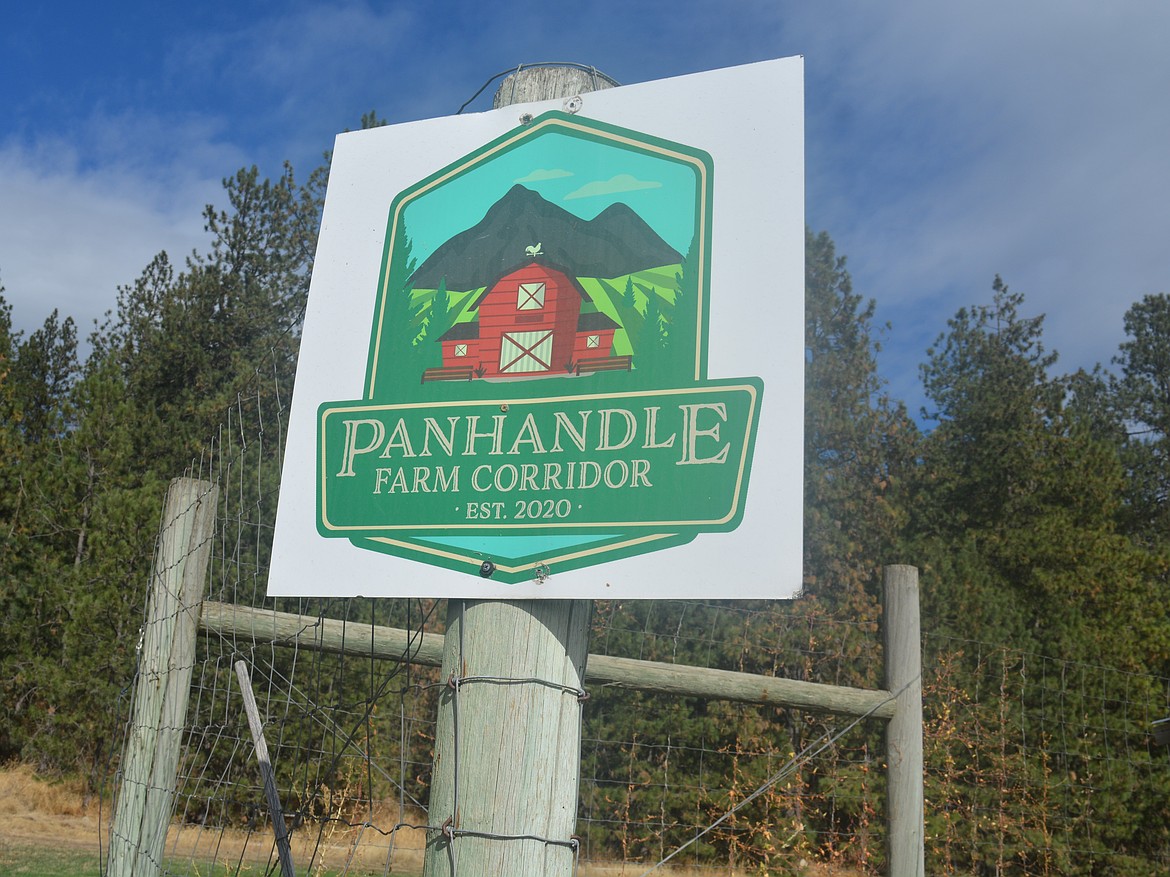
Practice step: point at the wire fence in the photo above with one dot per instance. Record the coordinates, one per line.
(1035, 765)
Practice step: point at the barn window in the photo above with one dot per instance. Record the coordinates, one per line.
(530, 297)
(461, 350)
(592, 341)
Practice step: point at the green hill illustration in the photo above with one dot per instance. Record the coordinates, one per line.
(533, 290)
(614, 243)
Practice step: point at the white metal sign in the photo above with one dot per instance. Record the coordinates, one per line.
(556, 350)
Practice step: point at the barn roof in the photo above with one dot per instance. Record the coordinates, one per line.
(461, 332)
(539, 262)
(595, 320)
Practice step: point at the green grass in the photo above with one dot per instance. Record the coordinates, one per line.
(31, 860)
(36, 861)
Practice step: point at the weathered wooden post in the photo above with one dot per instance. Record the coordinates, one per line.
(146, 794)
(548, 82)
(508, 739)
(904, 774)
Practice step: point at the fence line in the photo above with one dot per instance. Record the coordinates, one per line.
(659, 769)
(373, 642)
(1023, 751)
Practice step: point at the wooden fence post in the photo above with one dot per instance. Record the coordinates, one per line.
(904, 768)
(508, 739)
(146, 793)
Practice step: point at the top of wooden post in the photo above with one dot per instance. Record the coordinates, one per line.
(549, 82)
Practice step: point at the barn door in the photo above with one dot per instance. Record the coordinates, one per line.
(526, 352)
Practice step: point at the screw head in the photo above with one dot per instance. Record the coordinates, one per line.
(486, 569)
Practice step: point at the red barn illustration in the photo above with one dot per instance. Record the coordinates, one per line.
(535, 320)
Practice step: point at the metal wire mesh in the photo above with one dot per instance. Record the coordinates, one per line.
(1019, 764)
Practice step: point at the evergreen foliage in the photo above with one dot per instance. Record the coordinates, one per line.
(1143, 399)
(90, 447)
(1015, 521)
(859, 443)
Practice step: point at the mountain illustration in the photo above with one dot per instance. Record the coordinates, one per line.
(614, 243)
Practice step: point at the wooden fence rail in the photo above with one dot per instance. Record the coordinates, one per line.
(330, 635)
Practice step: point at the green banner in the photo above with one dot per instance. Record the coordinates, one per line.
(674, 459)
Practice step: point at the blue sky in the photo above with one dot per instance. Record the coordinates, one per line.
(945, 142)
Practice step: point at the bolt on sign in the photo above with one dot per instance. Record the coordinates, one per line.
(582, 327)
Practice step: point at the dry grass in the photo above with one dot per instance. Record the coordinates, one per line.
(332, 848)
(46, 826)
(357, 852)
(810, 869)
(54, 814)
(39, 813)
(22, 791)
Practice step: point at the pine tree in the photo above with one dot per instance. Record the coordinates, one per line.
(859, 443)
(685, 317)
(1143, 396)
(1015, 524)
(43, 371)
(859, 447)
(440, 318)
(628, 298)
(10, 436)
(650, 354)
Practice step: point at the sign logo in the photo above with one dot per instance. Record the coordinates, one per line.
(536, 394)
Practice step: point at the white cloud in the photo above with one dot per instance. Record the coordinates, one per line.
(71, 232)
(949, 142)
(613, 186)
(541, 174)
